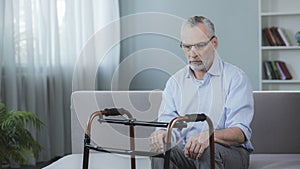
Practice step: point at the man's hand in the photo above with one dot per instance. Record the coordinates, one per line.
(157, 140)
(196, 145)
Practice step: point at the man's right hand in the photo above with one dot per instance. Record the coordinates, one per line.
(157, 140)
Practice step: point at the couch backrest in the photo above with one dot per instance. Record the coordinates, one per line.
(143, 105)
(275, 124)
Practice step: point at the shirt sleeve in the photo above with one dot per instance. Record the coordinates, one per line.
(168, 108)
(239, 105)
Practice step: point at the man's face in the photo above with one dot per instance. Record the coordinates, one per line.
(198, 46)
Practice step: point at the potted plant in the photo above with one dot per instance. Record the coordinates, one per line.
(16, 141)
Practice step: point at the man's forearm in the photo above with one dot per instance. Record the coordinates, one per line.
(230, 136)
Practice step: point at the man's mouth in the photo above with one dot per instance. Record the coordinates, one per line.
(197, 62)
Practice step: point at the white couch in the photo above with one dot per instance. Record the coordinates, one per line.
(275, 129)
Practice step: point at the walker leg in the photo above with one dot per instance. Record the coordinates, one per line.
(86, 152)
(132, 146)
(167, 156)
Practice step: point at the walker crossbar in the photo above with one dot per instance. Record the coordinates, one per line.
(125, 152)
(141, 123)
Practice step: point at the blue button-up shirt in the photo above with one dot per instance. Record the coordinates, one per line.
(184, 94)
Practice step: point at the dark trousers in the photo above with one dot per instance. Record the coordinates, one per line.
(225, 158)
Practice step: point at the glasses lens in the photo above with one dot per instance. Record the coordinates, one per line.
(201, 45)
(185, 47)
(198, 46)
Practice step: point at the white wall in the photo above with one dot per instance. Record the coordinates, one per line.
(236, 23)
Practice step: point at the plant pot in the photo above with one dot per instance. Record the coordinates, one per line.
(13, 164)
(4, 165)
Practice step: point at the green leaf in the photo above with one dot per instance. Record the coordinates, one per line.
(16, 141)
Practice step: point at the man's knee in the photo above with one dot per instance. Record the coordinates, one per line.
(157, 163)
(225, 157)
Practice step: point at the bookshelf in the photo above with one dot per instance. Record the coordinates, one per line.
(284, 14)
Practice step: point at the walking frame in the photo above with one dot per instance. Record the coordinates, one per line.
(178, 122)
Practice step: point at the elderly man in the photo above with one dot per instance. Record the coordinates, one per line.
(211, 86)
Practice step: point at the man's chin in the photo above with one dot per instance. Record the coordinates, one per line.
(197, 67)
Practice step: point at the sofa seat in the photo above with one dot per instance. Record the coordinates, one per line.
(274, 161)
(105, 160)
(99, 161)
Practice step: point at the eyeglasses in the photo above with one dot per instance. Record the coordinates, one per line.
(198, 46)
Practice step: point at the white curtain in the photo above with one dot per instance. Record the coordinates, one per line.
(40, 42)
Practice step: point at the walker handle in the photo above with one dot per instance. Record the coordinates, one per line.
(195, 117)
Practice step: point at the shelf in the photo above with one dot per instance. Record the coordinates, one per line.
(281, 81)
(284, 14)
(279, 13)
(280, 47)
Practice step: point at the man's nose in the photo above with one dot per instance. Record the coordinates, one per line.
(193, 52)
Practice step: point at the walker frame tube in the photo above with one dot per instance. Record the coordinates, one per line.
(131, 122)
(178, 122)
(190, 118)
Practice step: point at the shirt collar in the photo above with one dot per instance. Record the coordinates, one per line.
(217, 66)
(189, 72)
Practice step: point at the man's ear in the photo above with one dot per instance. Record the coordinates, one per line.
(215, 42)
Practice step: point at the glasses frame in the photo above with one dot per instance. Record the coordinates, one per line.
(198, 46)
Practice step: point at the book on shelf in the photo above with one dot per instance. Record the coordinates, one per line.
(276, 70)
(283, 70)
(269, 36)
(284, 37)
(265, 41)
(268, 70)
(282, 74)
(278, 37)
(270, 73)
(274, 36)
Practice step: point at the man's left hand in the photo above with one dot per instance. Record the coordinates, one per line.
(196, 145)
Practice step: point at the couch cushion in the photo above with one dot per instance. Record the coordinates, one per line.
(99, 161)
(274, 161)
(105, 160)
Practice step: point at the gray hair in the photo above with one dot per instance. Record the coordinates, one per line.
(193, 21)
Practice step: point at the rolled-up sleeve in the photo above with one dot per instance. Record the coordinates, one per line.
(239, 105)
(168, 109)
